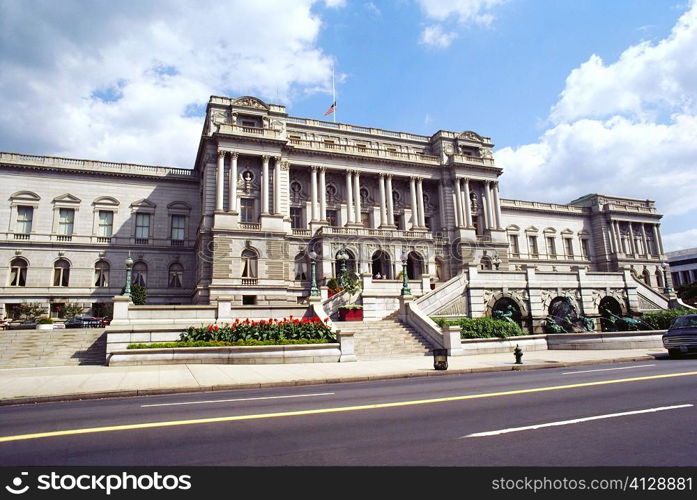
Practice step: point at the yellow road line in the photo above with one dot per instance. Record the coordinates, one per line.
(318, 411)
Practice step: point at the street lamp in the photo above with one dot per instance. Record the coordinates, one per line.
(342, 257)
(314, 289)
(666, 287)
(129, 267)
(405, 282)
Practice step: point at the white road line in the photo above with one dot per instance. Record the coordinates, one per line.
(607, 369)
(574, 421)
(239, 399)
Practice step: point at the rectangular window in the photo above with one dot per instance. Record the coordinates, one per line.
(532, 246)
(296, 218)
(178, 229)
(551, 247)
(365, 219)
(25, 216)
(333, 218)
(106, 223)
(246, 210)
(142, 227)
(514, 244)
(569, 247)
(585, 248)
(427, 221)
(66, 219)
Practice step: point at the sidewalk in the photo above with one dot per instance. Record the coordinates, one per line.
(28, 385)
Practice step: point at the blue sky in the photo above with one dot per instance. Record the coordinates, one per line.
(579, 96)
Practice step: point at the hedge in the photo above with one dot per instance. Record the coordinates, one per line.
(661, 320)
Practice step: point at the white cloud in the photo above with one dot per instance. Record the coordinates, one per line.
(681, 240)
(454, 14)
(434, 36)
(119, 80)
(628, 128)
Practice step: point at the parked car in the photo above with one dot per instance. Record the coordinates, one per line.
(681, 337)
(84, 322)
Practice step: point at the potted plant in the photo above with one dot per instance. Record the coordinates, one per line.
(44, 323)
(333, 287)
(351, 313)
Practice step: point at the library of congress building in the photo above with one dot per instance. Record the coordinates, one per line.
(272, 197)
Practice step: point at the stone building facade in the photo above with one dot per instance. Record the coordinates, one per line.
(268, 192)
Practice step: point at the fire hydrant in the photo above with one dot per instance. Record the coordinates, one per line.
(518, 353)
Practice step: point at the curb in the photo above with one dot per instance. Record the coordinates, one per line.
(298, 383)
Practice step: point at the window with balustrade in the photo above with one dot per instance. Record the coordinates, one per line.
(296, 218)
(142, 234)
(25, 218)
(247, 213)
(249, 264)
(177, 230)
(106, 224)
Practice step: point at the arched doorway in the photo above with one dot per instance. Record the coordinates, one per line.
(609, 309)
(350, 263)
(485, 263)
(507, 308)
(381, 265)
(415, 266)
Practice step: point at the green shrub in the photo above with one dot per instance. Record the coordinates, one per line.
(661, 320)
(139, 294)
(72, 309)
(478, 328)
(45, 320)
(264, 330)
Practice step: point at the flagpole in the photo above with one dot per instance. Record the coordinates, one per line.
(334, 94)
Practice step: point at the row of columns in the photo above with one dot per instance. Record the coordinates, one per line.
(232, 182)
(490, 201)
(318, 192)
(616, 238)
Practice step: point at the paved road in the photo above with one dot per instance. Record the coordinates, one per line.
(621, 414)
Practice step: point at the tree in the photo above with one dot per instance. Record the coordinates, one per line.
(138, 294)
(688, 292)
(72, 309)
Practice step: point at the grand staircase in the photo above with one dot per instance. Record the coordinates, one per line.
(387, 338)
(58, 347)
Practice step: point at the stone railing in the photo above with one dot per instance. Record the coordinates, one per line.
(95, 166)
(90, 239)
(266, 133)
(370, 232)
(366, 152)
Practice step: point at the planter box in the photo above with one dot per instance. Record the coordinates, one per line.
(42, 326)
(350, 314)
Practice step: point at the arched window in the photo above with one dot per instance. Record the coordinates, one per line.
(18, 272)
(176, 275)
(249, 264)
(101, 274)
(300, 267)
(415, 266)
(61, 273)
(140, 274)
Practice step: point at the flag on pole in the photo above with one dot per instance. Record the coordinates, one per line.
(331, 109)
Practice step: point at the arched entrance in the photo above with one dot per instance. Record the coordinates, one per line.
(350, 263)
(381, 265)
(609, 309)
(507, 308)
(415, 266)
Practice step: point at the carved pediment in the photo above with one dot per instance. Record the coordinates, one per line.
(250, 102)
(66, 198)
(106, 201)
(25, 196)
(144, 203)
(468, 135)
(179, 205)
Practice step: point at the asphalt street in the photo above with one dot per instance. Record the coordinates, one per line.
(627, 414)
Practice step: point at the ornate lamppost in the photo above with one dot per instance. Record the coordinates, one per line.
(405, 279)
(342, 257)
(129, 267)
(666, 287)
(314, 289)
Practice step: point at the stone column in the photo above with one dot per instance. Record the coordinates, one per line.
(232, 192)
(632, 245)
(349, 198)
(383, 201)
(609, 235)
(618, 236)
(220, 182)
(468, 204)
(265, 185)
(390, 207)
(485, 208)
(277, 185)
(458, 204)
(414, 207)
(322, 194)
(497, 204)
(357, 196)
(441, 206)
(645, 240)
(420, 194)
(659, 242)
(313, 192)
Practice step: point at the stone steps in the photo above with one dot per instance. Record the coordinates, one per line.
(31, 348)
(385, 339)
